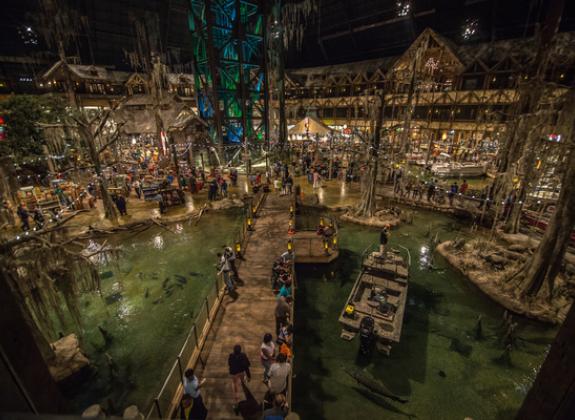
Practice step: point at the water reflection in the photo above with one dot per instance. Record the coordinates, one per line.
(158, 241)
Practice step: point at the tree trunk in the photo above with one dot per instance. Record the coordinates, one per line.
(8, 180)
(405, 134)
(27, 385)
(543, 268)
(109, 206)
(526, 170)
(530, 93)
(366, 207)
(552, 395)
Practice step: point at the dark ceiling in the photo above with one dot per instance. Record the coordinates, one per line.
(341, 30)
(351, 30)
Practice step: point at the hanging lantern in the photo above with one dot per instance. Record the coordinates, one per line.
(290, 245)
(321, 221)
(334, 241)
(249, 222)
(238, 248)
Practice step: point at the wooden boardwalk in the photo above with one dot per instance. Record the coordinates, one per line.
(245, 320)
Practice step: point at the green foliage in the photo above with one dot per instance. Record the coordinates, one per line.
(24, 139)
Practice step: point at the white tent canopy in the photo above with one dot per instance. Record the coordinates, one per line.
(311, 126)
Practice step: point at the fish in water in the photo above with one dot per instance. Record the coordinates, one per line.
(373, 384)
(181, 279)
(382, 402)
(105, 334)
(113, 298)
(154, 276)
(165, 283)
(147, 293)
(459, 347)
(141, 275)
(106, 275)
(155, 302)
(442, 374)
(194, 274)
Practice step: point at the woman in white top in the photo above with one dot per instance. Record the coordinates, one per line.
(267, 354)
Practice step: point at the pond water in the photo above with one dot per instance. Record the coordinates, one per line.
(444, 371)
(148, 303)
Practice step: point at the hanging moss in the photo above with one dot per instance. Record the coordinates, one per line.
(47, 274)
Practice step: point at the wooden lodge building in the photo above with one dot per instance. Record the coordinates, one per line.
(100, 86)
(456, 93)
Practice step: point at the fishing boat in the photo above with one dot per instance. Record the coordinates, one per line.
(378, 296)
(459, 170)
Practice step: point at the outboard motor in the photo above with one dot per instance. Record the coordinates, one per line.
(366, 335)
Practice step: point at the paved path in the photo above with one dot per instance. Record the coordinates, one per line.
(245, 320)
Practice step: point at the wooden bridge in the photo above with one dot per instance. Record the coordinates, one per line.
(247, 318)
(244, 318)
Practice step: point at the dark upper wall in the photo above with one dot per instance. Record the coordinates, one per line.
(109, 34)
(351, 30)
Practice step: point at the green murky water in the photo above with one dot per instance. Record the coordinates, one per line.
(442, 307)
(149, 302)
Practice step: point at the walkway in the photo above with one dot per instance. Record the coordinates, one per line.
(245, 320)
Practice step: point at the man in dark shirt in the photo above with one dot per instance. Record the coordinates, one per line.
(239, 367)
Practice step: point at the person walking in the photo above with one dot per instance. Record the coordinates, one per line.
(224, 267)
(138, 188)
(430, 191)
(452, 193)
(282, 313)
(192, 385)
(316, 179)
(38, 219)
(224, 188)
(383, 239)
(24, 217)
(464, 187)
(121, 204)
(239, 368)
(278, 375)
(267, 355)
(289, 184)
(231, 257)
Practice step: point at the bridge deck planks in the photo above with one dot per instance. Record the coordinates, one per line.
(245, 320)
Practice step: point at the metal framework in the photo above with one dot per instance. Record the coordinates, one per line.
(230, 71)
